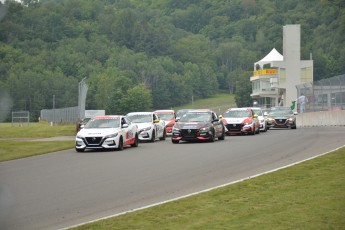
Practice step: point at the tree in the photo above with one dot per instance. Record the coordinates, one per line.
(137, 99)
(6, 102)
(243, 90)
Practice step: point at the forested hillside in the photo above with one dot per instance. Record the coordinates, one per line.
(153, 54)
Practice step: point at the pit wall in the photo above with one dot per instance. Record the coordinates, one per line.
(322, 118)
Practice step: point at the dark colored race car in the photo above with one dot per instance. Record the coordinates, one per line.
(203, 125)
(281, 117)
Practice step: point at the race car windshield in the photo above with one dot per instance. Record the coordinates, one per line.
(140, 118)
(257, 112)
(166, 116)
(237, 113)
(103, 123)
(182, 112)
(196, 117)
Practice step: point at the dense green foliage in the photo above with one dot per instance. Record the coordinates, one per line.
(145, 54)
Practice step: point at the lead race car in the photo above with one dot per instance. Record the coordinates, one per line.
(202, 125)
(107, 132)
(281, 117)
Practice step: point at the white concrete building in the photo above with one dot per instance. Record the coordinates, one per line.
(276, 76)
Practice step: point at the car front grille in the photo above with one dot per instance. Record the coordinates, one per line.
(189, 133)
(93, 140)
(280, 121)
(234, 127)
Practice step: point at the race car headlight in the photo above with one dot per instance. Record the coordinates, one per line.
(290, 119)
(111, 135)
(145, 129)
(249, 123)
(262, 120)
(205, 129)
(79, 136)
(175, 129)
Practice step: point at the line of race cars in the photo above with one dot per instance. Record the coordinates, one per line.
(117, 131)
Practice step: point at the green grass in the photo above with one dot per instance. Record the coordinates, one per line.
(219, 103)
(11, 150)
(306, 196)
(7, 130)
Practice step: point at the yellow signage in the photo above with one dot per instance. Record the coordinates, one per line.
(265, 72)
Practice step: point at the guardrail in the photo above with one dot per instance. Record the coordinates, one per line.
(322, 118)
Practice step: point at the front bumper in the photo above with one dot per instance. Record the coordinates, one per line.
(96, 143)
(191, 134)
(239, 128)
(281, 123)
(168, 130)
(263, 126)
(145, 135)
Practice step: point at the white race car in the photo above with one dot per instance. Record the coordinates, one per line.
(262, 118)
(149, 125)
(107, 132)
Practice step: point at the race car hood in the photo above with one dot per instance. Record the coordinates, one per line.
(97, 132)
(143, 125)
(280, 116)
(237, 120)
(191, 125)
(169, 122)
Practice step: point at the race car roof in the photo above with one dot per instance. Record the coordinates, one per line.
(108, 117)
(164, 111)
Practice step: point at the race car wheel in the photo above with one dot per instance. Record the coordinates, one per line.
(222, 137)
(79, 150)
(136, 141)
(164, 135)
(253, 132)
(153, 138)
(213, 136)
(175, 141)
(294, 127)
(120, 146)
(258, 131)
(266, 128)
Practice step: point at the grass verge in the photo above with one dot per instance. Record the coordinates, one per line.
(11, 150)
(309, 195)
(7, 130)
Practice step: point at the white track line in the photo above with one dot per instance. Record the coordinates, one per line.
(206, 190)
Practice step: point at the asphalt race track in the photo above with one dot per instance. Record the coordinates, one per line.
(67, 188)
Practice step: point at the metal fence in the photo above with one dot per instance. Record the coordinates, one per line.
(324, 95)
(70, 114)
(20, 117)
(63, 115)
